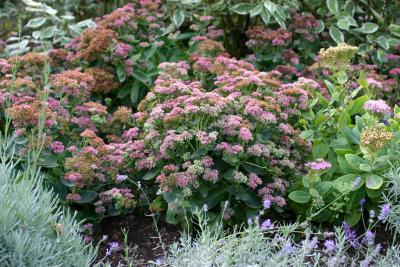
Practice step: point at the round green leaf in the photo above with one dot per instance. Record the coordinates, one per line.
(300, 196)
(374, 181)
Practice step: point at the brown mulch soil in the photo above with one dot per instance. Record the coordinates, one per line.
(142, 238)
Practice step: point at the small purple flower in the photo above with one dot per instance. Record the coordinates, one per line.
(362, 202)
(350, 236)
(122, 177)
(113, 247)
(288, 249)
(249, 221)
(384, 213)
(267, 224)
(330, 245)
(385, 122)
(369, 238)
(267, 204)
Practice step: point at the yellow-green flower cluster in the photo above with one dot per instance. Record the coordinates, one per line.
(375, 137)
(338, 57)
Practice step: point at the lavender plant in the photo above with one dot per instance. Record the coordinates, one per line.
(34, 231)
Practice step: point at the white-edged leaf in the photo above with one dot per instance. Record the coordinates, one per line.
(336, 34)
(368, 28)
(270, 6)
(36, 22)
(242, 8)
(265, 16)
(178, 17)
(333, 6)
(256, 10)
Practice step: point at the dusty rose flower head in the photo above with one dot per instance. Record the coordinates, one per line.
(318, 165)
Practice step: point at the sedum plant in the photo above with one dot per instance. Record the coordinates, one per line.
(213, 142)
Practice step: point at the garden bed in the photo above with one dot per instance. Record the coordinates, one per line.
(268, 131)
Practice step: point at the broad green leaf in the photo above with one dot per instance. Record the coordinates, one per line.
(324, 187)
(313, 192)
(300, 196)
(343, 121)
(394, 29)
(270, 6)
(49, 10)
(307, 135)
(368, 28)
(383, 42)
(353, 218)
(48, 32)
(279, 19)
(121, 72)
(355, 161)
(333, 6)
(393, 42)
(36, 22)
(343, 151)
(320, 150)
(352, 135)
(86, 196)
(343, 24)
(374, 181)
(336, 34)
(344, 167)
(347, 183)
(151, 174)
(141, 76)
(178, 17)
(149, 52)
(256, 10)
(265, 16)
(319, 119)
(349, 8)
(242, 8)
(357, 106)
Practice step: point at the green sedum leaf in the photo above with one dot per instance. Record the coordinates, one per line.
(300, 196)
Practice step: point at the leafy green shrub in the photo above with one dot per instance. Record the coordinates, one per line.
(351, 132)
(34, 231)
(44, 28)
